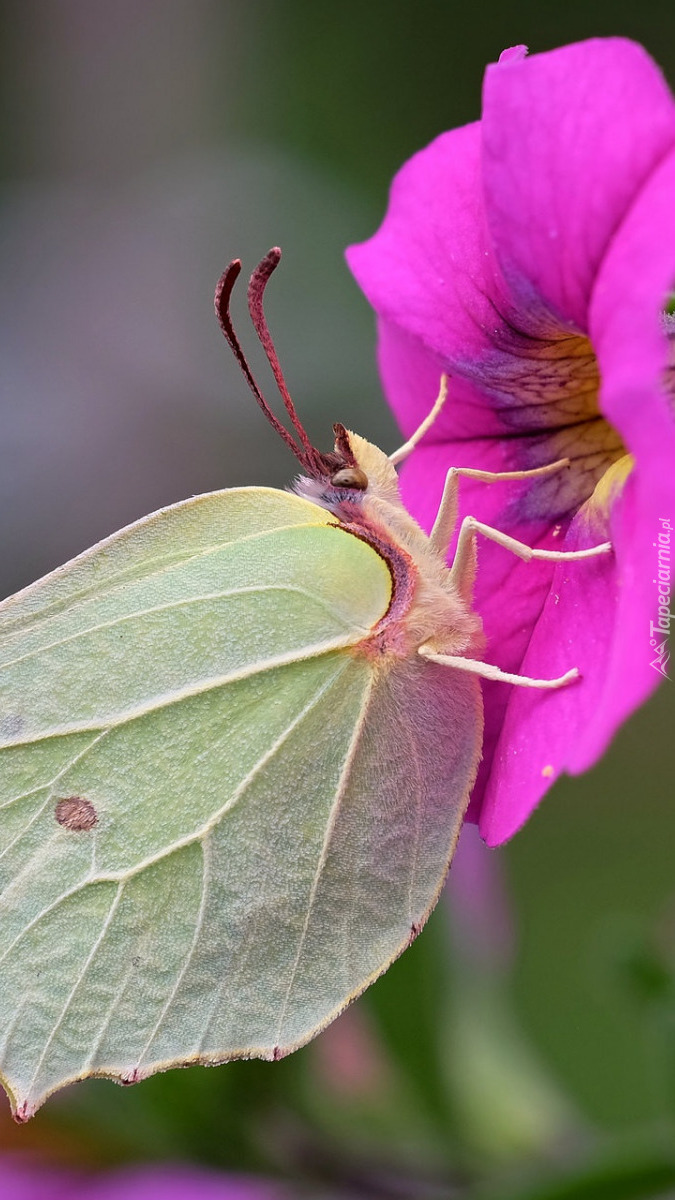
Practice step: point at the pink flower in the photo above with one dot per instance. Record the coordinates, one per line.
(24, 1181)
(530, 256)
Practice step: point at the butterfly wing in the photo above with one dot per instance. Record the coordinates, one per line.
(390, 838)
(219, 820)
(175, 710)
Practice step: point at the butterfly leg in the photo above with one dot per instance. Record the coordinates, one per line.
(488, 671)
(462, 573)
(446, 517)
(404, 450)
(464, 563)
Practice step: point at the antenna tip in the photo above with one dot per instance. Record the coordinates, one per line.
(267, 265)
(224, 286)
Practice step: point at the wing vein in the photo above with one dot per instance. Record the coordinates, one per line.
(71, 891)
(180, 843)
(253, 589)
(415, 759)
(83, 597)
(22, 1005)
(315, 700)
(87, 1064)
(301, 654)
(330, 827)
(90, 957)
(193, 946)
(22, 833)
(124, 875)
(23, 796)
(50, 792)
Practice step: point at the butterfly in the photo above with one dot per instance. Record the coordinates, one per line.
(237, 743)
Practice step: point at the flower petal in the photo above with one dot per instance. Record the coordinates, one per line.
(638, 397)
(436, 278)
(23, 1180)
(569, 138)
(509, 594)
(572, 231)
(598, 618)
(574, 629)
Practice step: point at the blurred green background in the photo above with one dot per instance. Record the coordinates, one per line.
(525, 1045)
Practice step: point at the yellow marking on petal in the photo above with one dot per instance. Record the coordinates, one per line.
(610, 485)
(596, 511)
(548, 771)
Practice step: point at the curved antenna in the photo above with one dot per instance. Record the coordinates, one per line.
(256, 290)
(222, 306)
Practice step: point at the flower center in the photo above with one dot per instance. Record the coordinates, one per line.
(545, 392)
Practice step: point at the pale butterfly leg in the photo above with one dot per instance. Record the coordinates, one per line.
(462, 575)
(475, 667)
(404, 450)
(464, 562)
(446, 517)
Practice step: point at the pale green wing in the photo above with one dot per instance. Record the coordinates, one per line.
(183, 681)
(275, 812)
(389, 840)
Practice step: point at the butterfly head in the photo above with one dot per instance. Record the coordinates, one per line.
(355, 471)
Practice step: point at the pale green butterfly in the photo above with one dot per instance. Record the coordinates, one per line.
(237, 742)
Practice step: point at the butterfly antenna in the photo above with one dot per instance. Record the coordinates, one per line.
(222, 306)
(256, 290)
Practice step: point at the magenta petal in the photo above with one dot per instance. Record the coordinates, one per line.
(596, 619)
(175, 1182)
(626, 327)
(537, 738)
(513, 54)
(624, 675)
(628, 334)
(509, 594)
(411, 376)
(598, 616)
(559, 219)
(22, 1181)
(436, 279)
(569, 138)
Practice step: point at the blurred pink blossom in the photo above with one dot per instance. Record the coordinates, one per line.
(165, 1182)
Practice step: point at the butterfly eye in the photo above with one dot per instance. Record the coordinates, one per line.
(350, 477)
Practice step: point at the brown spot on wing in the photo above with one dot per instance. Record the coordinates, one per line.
(76, 813)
